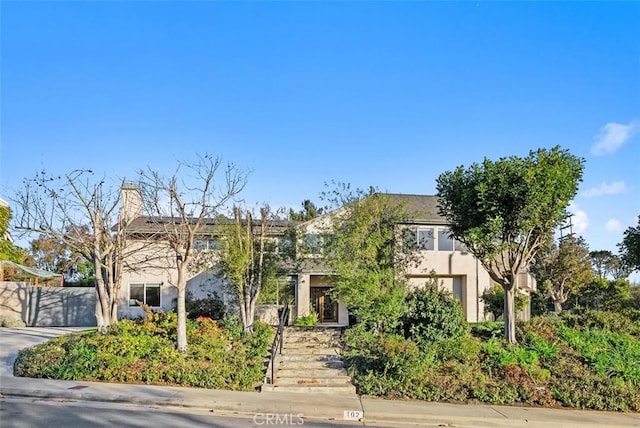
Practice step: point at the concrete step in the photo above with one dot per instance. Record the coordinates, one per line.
(310, 365)
(312, 381)
(322, 341)
(323, 389)
(311, 350)
(306, 372)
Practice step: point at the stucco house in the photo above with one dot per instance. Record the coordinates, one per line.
(310, 281)
(457, 270)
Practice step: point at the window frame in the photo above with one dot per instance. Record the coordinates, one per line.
(145, 298)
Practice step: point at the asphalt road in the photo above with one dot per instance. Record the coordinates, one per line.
(36, 413)
(13, 340)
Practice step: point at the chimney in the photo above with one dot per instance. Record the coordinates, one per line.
(131, 201)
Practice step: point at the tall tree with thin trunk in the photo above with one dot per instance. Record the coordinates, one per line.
(182, 206)
(565, 267)
(504, 211)
(247, 260)
(82, 213)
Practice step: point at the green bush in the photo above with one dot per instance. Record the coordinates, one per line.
(144, 351)
(611, 321)
(211, 306)
(382, 364)
(307, 320)
(572, 361)
(488, 329)
(433, 315)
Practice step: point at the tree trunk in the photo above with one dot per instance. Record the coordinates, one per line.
(181, 327)
(249, 314)
(557, 306)
(243, 315)
(509, 314)
(103, 309)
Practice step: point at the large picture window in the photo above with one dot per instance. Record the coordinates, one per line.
(148, 294)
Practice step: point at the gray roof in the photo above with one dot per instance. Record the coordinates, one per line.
(145, 225)
(421, 209)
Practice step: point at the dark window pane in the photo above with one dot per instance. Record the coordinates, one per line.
(136, 292)
(153, 295)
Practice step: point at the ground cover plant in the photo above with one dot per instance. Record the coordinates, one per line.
(220, 355)
(586, 361)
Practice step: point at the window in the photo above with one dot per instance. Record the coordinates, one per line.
(425, 238)
(445, 241)
(205, 244)
(312, 243)
(149, 294)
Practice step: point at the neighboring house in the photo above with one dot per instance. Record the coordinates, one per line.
(457, 270)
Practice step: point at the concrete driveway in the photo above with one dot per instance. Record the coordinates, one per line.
(13, 340)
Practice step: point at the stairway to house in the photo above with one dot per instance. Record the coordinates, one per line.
(311, 361)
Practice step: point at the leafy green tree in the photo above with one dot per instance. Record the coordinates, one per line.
(367, 264)
(504, 211)
(630, 247)
(309, 211)
(604, 294)
(9, 251)
(493, 300)
(52, 254)
(564, 269)
(247, 261)
(608, 265)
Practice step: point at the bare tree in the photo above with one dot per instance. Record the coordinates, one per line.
(83, 213)
(183, 206)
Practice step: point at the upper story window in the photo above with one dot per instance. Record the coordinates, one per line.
(426, 238)
(206, 244)
(312, 243)
(430, 239)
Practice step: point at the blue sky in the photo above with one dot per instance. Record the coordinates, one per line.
(389, 94)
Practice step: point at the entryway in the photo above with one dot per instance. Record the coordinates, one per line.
(324, 305)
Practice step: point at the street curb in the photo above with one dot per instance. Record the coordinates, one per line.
(78, 396)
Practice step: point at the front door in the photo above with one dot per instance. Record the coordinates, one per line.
(324, 305)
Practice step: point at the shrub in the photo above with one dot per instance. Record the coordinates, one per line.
(211, 306)
(488, 329)
(493, 300)
(11, 322)
(143, 350)
(383, 364)
(433, 315)
(611, 321)
(307, 320)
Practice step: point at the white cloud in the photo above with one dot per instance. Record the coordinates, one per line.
(613, 188)
(613, 225)
(579, 220)
(612, 136)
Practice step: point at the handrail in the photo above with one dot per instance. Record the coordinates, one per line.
(277, 342)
